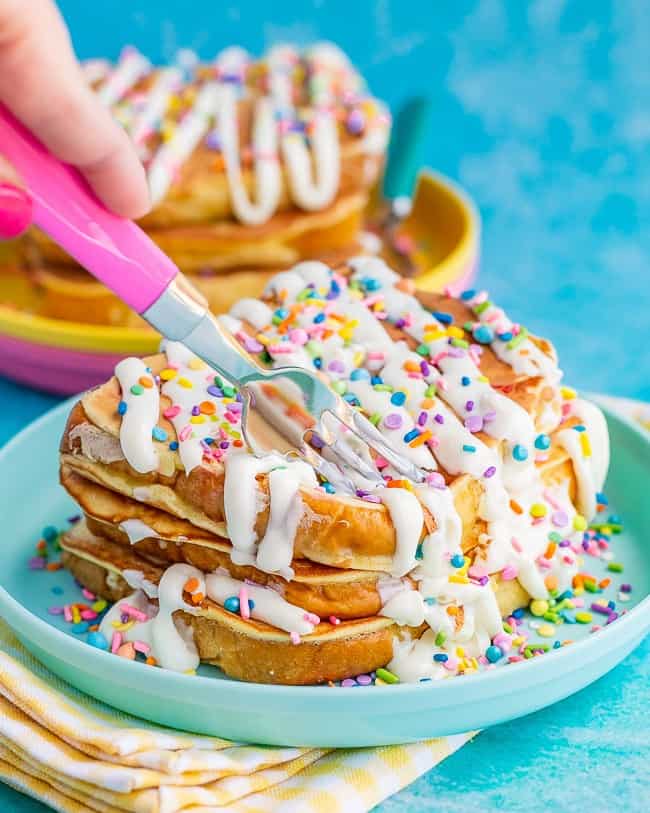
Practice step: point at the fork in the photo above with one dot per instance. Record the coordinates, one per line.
(118, 253)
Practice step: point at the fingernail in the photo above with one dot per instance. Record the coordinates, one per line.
(15, 211)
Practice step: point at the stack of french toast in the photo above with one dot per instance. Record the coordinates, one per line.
(277, 574)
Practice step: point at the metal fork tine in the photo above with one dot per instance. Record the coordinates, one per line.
(370, 435)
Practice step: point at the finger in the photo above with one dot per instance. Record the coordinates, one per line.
(41, 82)
(15, 203)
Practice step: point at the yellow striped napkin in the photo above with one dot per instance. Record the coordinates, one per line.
(76, 755)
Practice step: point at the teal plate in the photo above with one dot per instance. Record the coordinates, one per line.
(319, 716)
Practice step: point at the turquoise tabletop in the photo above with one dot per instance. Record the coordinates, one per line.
(541, 110)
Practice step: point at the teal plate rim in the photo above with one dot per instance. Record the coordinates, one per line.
(68, 656)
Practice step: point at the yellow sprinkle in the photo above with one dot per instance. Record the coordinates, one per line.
(459, 579)
(185, 382)
(380, 682)
(546, 630)
(197, 419)
(189, 672)
(436, 334)
(346, 333)
(76, 616)
(460, 652)
(168, 374)
(120, 627)
(579, 523)
(538, 509)
(197, 364)
(585, 444)
(567, 393)
(483, 379)
(262, 339)
(455, 332)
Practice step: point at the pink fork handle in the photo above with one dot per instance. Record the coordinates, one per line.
(114, 250)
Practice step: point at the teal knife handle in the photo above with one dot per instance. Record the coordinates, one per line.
(409, 136)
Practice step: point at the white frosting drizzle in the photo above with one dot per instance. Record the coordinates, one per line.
(589, 452)
(268, 604)
(170, 640)
(137, 530)
(131, 67)
(407, 518)
(157, 102)
(141, 416)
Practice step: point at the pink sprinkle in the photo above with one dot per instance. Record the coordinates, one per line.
(116, 642)
(433, 442)
(231, 417)
(55, 610)
(439, 357)
(295, 638)
(87, 594)
(133, 612)
(298, 336)
(141, 646)
(171, 412)
(550, 500)
(381, 463)
(578, 602)
(244, 609)
(88, 615)
(334, 620)
(185, 432)
(279, 349)
(376, 355)
(503, 641)
(442, 385)
(451, 664)
(477, 572)
(516, 545)
(67, 613)
(509, 573)
(312, 618)
(435, 479)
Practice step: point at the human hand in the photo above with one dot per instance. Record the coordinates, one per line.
(43, 86)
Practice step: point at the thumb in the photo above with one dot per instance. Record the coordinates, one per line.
(15, 203)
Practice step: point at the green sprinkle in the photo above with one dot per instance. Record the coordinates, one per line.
(422, 349)
(507, 627)
(338, 386)
(584, 617)
(430, 391)
(591, 587)
(483, 306)
(382, 387)
(615, 567)
(137, 389)
(229, 392)
(386, 676)
(554, 536)
(518, 339)
(460, 343)
(468, 326)
(554, 618)
(218, 381)
(440, 638)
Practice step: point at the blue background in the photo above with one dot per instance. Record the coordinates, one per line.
(542, 110)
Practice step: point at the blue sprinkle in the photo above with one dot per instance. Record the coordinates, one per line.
(231, 604)
(121, 408)
(518, 613)
(49, 533)
(601, 498)
(562, 596)
(505, 337)
(468, 448)
(465, 381)
(440, 657)
(430, 601)
(318, 363)
(320, 317)
(483, 334)
(569, 619)
(614, 519)
(360, 374)
(579, 428)
(376, 379)
(173, 445)
(351, 398)
(542, 442)
(251, 604)
(159, 433)
(371, 284)
(611, 604)
(419, 554)
(520, 453)
(457, 560)
(58, 591)
(97, 640)
(493, 653)
(445, 318)
(329, 488)
(409, 436)
(80, 628)
(398, 398)
(209, 441)
(469, 294)
(556, 644)
(281, 313)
